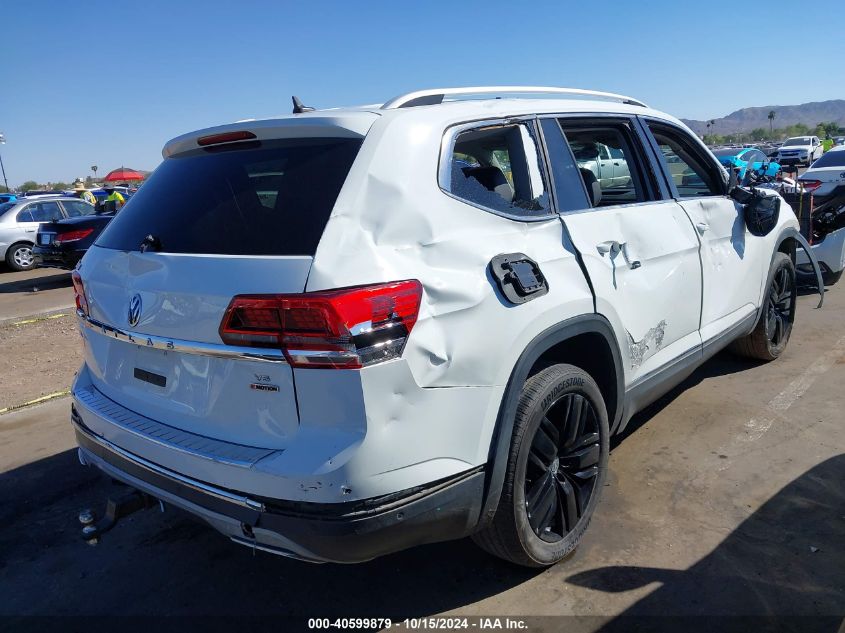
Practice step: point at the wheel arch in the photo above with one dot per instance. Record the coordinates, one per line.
(567, 341)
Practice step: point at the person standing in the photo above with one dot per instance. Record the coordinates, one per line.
(114, 196)
(83, 194)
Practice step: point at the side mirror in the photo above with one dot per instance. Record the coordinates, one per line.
(761, 212)
(741, 194)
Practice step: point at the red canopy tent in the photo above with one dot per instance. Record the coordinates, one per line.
(123, 175)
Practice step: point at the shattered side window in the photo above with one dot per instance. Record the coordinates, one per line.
(499, 168)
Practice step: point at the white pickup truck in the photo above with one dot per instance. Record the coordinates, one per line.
(608, 164)
(800, 150)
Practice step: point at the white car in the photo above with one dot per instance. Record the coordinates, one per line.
(341, 333)
(826, 181)
(825, 174)
(799, 150)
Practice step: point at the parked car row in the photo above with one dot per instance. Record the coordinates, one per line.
(46, 229)
(20, 221)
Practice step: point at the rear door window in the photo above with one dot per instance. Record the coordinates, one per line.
(77, 208)
(831, 159)
(254, 198)
(499, 168)
(45, 211)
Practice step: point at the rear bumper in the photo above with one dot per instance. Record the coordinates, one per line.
(56, 258)
(332, 532)
(830, 252)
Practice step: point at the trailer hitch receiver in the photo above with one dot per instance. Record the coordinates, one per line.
(116, 509)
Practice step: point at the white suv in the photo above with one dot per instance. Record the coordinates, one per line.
(800, 150)
(342, 333)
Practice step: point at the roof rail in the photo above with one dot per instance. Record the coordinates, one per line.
(435, 96)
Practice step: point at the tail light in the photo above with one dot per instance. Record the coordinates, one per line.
(347, 328)
(72, 236)
(811, 185)
(79, 291)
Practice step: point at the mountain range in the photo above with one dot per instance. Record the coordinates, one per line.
(747, 119)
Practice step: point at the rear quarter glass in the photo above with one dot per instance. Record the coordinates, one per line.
(252, 198)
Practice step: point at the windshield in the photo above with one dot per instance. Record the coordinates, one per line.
(831, 159)
(6, 206)
(254, 198)
(799, 140)
(726, 151)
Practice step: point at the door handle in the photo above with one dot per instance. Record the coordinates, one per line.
(613, 248)
(29, 230)
(702, 227)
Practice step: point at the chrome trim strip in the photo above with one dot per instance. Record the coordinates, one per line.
(217, 350)
(164, 472)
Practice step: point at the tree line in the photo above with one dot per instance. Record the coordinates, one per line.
(822, 130)
(30, 185)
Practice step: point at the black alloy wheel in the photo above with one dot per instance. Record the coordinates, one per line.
(562, 467)
(780, 307)
(556, 467)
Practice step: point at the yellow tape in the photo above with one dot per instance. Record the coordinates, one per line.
(49, 396)
(44, 318)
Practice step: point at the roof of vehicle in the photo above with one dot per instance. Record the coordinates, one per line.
(727, 152)
(356, 121)
(22, 201)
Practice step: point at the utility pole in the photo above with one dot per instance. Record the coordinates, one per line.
(6, 182)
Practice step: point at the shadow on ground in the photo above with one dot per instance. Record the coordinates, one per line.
(154, 564)
(47, 282)
(786, 559)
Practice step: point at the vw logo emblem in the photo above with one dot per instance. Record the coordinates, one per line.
(134, 310)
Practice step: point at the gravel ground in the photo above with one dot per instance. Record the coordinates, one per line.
(39, 358)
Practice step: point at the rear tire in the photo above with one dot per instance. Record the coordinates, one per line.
(555, 472)
(19, 257)
(771, 334)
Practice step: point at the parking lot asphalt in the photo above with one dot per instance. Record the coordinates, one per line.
(33, 292)
(724, 498)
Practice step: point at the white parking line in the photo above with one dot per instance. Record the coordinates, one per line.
(755, 428)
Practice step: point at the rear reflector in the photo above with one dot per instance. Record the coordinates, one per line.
(79, 292)
(72, 236)
(225, 137)
(347, 328)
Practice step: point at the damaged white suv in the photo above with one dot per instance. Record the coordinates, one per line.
(338, 334)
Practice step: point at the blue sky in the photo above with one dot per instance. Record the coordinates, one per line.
(107, 85)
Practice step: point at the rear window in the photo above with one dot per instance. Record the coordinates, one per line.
(831, 159)
(256, 198)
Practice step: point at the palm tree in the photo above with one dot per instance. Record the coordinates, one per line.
(771, 121)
